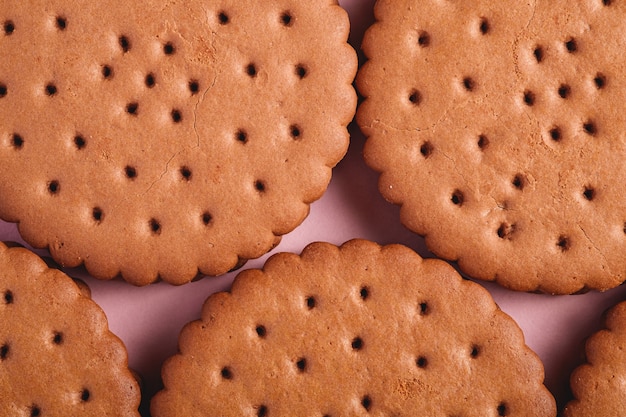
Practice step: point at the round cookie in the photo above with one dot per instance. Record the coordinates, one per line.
(598, 385)
(497, 127)
(169, 139)
(355, 330)
(57, 355)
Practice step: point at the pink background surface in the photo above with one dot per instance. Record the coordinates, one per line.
(149, 319)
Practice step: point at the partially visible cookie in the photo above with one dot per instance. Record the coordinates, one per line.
(497, 126)
(353, 330)
(164, 139)
(57, 355)
(599, 385)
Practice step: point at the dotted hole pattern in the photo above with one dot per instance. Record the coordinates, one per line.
(133, 108)
(555, 133)
(356, 344)
(56, 339)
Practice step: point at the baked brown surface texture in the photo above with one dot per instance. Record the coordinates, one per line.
(598, 385)
(163, 139)
(499, 129)
(57, 355)
(353, 330)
